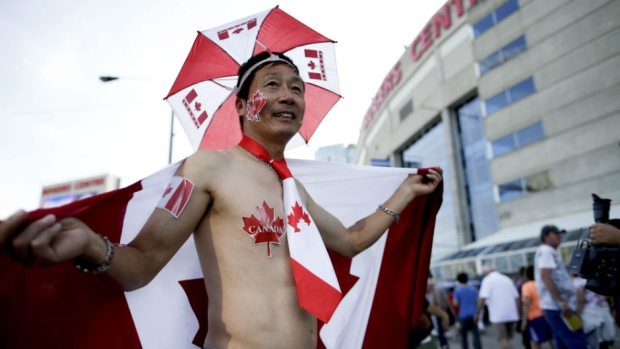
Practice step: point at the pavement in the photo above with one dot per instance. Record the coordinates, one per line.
(488, 341)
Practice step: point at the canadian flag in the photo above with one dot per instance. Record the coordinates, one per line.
(383, 287)
(176, 196)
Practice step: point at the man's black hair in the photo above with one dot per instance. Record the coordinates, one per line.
(529, 272)
(244, 91)
(462, 278)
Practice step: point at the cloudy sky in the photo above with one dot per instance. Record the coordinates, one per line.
(59, 122)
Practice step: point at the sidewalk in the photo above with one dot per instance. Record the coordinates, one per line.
(488, 341)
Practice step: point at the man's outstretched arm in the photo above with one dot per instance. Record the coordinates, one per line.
(48, 241)
(365, 232)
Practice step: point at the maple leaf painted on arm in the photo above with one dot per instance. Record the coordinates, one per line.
(297, 215)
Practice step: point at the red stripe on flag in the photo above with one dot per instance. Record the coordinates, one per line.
(311, 53)
(315, 76)
(315, 295)
(223, 35)
(191, 96)
(401, 287)
(61, 307)
(202, 117)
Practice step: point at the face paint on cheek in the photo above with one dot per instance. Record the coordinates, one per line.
(255, 105)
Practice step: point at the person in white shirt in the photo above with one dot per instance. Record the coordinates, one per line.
(556, 292)
(502, 299)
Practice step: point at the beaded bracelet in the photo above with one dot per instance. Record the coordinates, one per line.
(93, 268)
(390, 212)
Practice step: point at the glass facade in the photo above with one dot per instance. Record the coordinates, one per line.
(509, 96)
(518, 139)
(522, 186)
(495, 17)
(502, 55)
(479, 185)
(428, 151)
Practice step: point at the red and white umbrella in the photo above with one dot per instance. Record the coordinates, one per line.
(202, 96)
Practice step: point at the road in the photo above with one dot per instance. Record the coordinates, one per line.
(487, 338)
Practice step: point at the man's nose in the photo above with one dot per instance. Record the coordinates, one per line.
(286, 95)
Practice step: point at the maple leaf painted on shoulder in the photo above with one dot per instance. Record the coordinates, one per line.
(297, 215)
(264, 228)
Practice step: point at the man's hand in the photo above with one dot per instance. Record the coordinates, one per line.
(424, 184)
(45, 241)
(604, 234)
(566, 310)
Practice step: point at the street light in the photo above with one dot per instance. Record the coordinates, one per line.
(112, 78)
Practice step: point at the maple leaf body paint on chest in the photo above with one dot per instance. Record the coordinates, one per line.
(266, 228)
(175, 197)
(255, 105)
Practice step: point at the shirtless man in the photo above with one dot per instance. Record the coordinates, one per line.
(252, 298)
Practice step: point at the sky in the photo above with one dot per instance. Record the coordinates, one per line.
(59, 122)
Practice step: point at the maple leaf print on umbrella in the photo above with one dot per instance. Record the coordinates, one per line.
(203, 97)
(265, 228)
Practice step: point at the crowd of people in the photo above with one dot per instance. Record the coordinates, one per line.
(549, 307)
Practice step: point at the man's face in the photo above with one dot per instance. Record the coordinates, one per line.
(281, 112)
(553, 239)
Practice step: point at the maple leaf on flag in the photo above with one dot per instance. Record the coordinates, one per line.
(167, 191)
(297, 215)
(265, 228)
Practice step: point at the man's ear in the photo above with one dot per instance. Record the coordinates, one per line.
(241, 107)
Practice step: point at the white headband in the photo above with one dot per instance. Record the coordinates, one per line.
(272, 58)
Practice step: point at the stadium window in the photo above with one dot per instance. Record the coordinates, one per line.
(522, 186)
(484, 25)
(506, 10)
(511, 190)
(521, 90)
(537, 182)
(530, 134)
(406, 110)
(502, 55)
(503, 145)
(495, 17)
(518, 139)
(496, 102)
(509, 96)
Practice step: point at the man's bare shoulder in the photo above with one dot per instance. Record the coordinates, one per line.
(205, 164)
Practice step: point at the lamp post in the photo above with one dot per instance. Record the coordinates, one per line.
(112, 78)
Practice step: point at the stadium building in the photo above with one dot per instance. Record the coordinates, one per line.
(519, 102)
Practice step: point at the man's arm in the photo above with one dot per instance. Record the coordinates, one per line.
(439, 313)
(48, 241)
(479, 307)
(525, 311)
(365, 232)
(545, 275)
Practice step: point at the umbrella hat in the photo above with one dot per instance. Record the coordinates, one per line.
(202, 96)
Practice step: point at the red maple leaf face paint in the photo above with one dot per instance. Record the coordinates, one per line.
(265, 228)
(255, 105)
